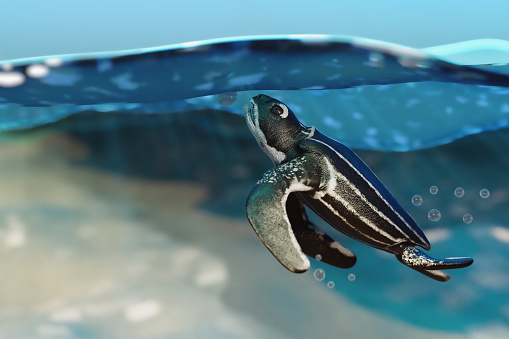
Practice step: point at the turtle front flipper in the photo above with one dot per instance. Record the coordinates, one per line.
(266, 207)
(423, 263)
(314, 240)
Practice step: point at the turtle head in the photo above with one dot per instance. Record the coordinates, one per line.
(274, 126)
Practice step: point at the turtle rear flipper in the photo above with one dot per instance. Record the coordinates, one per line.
(423, 263)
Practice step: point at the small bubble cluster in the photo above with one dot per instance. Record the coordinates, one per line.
(319, 274)
(330, 284)
(417, 200)
(434, 215)
(459, 192)
(433, 190)
(467, 218)
(351, 277)
(484, 193)
(227, 99)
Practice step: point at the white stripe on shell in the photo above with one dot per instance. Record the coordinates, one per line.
(347, 223)
(363, 198)
(330, 190)
(359, 193)
(331, 186)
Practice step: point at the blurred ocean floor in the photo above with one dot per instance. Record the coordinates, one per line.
(134, 227)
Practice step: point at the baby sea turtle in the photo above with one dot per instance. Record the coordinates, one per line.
(314, 170)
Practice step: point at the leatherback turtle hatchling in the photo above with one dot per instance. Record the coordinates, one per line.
(328, 177)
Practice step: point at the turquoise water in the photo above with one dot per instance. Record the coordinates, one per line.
(125, 173)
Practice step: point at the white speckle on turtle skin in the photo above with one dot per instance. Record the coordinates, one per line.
(416, 258)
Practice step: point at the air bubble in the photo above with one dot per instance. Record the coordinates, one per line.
(351, 277)
(330, 284)
(484, 193)
(319, 274)
(417, 200)
(467, 218)
(318, 257)
(227, 99)
(459, 192)
(433, 190)
(434, 215)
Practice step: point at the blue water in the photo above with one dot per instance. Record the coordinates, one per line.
(216, 151)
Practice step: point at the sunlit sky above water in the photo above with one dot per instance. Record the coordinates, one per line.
(33, 28)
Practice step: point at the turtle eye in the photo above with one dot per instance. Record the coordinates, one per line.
(276, 110)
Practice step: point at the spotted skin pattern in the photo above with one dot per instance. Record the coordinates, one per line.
(314, 170)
